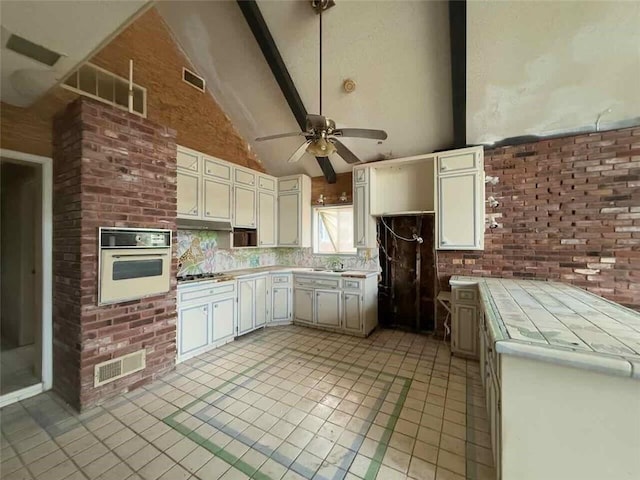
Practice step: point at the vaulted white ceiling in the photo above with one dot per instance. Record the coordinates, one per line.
(71, 28)
(396, 52)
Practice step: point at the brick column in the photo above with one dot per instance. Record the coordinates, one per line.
(111, 168)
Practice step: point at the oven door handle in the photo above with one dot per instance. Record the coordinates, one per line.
(140, 255)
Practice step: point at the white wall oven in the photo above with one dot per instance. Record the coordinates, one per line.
(133, 263)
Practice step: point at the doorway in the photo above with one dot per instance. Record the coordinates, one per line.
(25, 276)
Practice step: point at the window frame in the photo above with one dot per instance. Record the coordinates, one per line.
(315, 219)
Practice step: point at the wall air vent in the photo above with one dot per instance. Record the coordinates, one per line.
(100, 84)
(29, 49)
(111, 370)
(196, 81)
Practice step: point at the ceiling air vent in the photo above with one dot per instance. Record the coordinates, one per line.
(111, 370)
(196, 81)
(29, 49)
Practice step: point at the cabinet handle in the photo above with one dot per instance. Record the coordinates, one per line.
(215, 306)
(208, 213)
(443, 167)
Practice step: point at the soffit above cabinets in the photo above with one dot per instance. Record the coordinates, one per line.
(74, 30)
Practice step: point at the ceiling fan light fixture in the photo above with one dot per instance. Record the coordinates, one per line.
(321, 148)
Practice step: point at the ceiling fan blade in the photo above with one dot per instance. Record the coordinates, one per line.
(281, 135)
(346, 154)
(297, 155)
(361, 133)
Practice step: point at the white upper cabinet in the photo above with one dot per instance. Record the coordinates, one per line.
(217, 168)
(188, 160)
(215, 190)
(294, 211)
(460, 199)
(364, 225)
(266, 219)
(188, 195)
(244, 207)
(217, 200)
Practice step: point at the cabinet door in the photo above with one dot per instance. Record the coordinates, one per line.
(280, 309)
(464, 330)
(244, 207)
(261, 310)
(188, 195)
(460, 160)
(303, 304)
(267, 183)
(187, 160)
(245, 177)
(288, 219)
(217, 200)
(218, 169)
(266, 219)
(328, 308)
(223, 319)
(193, 325)
(246, 302)
(352, 311)
(460, 212)
(360, 212)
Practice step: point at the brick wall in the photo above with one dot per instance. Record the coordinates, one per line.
(332, 191)
(569, 211)
(110, 169)
(199, 121)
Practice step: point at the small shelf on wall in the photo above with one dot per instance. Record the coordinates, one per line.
(405, 214)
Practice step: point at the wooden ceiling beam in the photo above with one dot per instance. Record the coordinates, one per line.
(269, 49)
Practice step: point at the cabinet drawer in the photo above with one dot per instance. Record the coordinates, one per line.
(266, 183)
(290, 185)
(187, 160)
(280, 279)
(457, 162)
(211, 290)
(317, 282)
(244, 177)
(214, 168)
(352, 284)
(465, 295)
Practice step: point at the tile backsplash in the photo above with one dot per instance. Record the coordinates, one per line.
(198, 252)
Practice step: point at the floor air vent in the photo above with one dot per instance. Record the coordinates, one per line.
(111, 370)
(196, 81)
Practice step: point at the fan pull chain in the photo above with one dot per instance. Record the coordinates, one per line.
(320, 15)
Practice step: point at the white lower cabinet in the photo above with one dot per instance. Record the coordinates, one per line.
(253, 303)
(223, 316)
(328, 308)
(352, 311)
(206, 317)
(346, 305)
(281, 299)
(303, 305)
(194, 322)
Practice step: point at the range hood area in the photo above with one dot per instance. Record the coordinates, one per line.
(197, 224)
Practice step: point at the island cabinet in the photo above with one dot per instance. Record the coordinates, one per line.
(448, 184)
(464, 321)
(559, 368)
(344, 304)
(206, 317)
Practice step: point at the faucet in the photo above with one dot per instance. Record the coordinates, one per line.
(333, 265)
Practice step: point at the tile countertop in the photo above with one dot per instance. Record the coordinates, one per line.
(233, 274)
(559, 323)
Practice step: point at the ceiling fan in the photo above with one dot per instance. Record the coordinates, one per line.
(321, 134)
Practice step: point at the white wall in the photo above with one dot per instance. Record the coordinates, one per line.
(542, 68)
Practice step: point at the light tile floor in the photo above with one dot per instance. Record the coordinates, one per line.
(284, 403)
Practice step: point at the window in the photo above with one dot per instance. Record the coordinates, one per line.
(333, 230)
(102, 85)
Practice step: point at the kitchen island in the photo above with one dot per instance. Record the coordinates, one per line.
(561, 373)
